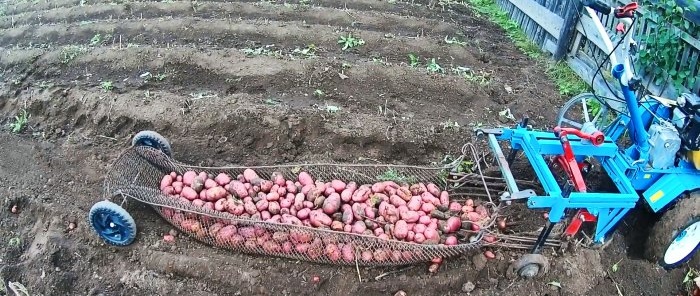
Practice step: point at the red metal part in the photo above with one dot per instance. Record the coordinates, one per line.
(597, 138)
(627, 10)
(581, 216)
(620, 28)
(568, 160)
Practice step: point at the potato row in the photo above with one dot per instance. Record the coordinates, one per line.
(421, 213)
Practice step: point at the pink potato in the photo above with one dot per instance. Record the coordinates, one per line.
(281, 191)
(250, 208)
(367, 256)
(266, 186)
(308, 204)
(482, 211)
(303, 213)
(286, 203)
(318, 218)
(378, 231)
(397, 201)
(348, 252)
(272, 196)
(222, 179)
(410, 236)
(198, 203)
(256, 216)
(427, 197)
(331, 204)
(273, 207)
(210, 183)
(338, 185)
(473, 216)
(425, 220)
(178, 178)
(453, 224)
(360, 195)
(278, 178)
(236, 209)
(431, 236)
(271, 246)
(216, 193)
(467, 209)
(337, 225)
(414, 204)
(347, 228)
(390, 191)
(173, 175)
(427, 207)
(455, 207)
(320, 186)
(209, 205)
(433, 189)
(404, 193)
(305, 179)
(333, 252)
(190, 225)
(314, 194)
(287, 247)
(419, 228)
(419, 238)
(275, 219)
(444, 198)
(400, 229)
(410, 216)
(451, 240)
(329, 191)
(305, 190)
(302, 248)
(169, 190)
(265, 215)
(221, 204)
(383, 236)
(166, 181)
(225, 234)
(249, 175)
(370, 212)
(299, 201)
(415, 190)
(189, 193)
(359, 227)
(177, 186)
(289, 219)
(291, 187)
(378, 187)
(274, 188)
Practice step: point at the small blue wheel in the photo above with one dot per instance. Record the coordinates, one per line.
(112, 223)
(154, 140)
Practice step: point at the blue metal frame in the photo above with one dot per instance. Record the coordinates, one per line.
(628, 168)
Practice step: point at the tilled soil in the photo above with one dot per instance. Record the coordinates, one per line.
(230, 83)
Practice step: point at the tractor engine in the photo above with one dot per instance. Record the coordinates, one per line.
(686, 118)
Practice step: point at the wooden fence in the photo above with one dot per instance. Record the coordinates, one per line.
(555, 27)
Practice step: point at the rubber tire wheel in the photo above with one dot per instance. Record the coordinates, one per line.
(154, 140)
(514, 268)
(685, 212)
(115, 212)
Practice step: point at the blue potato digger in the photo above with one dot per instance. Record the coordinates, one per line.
(648, 147)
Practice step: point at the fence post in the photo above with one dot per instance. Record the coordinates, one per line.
(567, 31)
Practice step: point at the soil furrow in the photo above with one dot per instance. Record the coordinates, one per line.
(365, 20)
(188, 70)
(400, 8)
(241, 34)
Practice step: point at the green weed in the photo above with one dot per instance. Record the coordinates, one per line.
(96, 40)
(319, 93)
(307, 52)
(350, 41)
(454, 40)
(568, 82)
(413, 60)
(434, 67)
(261, 51)
(106, 86)
(20, 122)
(393, 175)
(70, 52)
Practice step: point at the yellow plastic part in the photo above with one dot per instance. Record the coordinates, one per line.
(694, 157)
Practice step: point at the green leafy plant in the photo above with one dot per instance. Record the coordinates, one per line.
(434, 67)
(396, 176)
(307, 52)
(454, 40)
(568, 82)
(20, 122)
(106, 85)
(660, 54)
(96, 40)
(413, 60)
(350, 41)
(71, 52)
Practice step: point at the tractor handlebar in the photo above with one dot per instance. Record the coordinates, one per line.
(597, 138)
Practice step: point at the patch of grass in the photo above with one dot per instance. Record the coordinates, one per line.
(319, 93)
(2, 10)
(261, 51)
(20, 122)
(393, 175)
(414, 61)
(106, 85)
(308, 52)
(350, 41)
(450, 125)
(568, 82)
(70, 52)
(14, 242)
(96, 40)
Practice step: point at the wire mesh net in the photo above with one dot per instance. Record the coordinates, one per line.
(138, 172)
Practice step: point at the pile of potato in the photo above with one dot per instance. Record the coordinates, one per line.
(419, 213)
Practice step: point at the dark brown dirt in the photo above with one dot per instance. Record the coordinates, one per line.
(220, 106)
